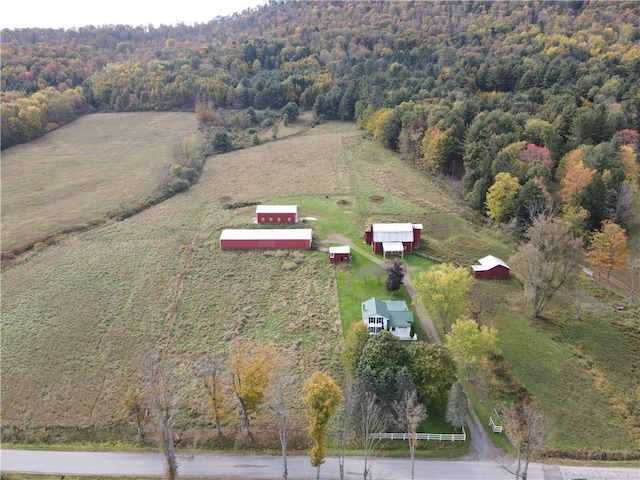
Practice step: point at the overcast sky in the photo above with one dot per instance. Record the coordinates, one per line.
(74, 13)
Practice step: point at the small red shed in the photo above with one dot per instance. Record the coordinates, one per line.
(262, 238)
(492, 268)
(277, 213)
(385, 237)
(341, 254)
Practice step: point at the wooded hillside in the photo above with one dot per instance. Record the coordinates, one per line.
(545, 92)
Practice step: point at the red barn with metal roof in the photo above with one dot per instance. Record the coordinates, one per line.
(385, 238)
(492, 268)
(277, 213)
(239, 239)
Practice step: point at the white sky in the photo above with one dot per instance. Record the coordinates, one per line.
(75, 13)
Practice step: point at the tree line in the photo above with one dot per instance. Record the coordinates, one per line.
(504, 95)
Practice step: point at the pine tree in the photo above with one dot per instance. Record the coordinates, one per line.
(457, 406)
(395, 279)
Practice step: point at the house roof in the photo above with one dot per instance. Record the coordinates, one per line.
(395, 311)
(341, 249)
(277, 209)
(489, 262)
(392, 232)
(267, 234)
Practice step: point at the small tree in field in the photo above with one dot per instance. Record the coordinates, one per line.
(322, 397)
(134, 406)
(608, 249)
(395, 277)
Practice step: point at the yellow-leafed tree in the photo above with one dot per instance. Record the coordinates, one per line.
(322, 397)
(501, 196)
(608, 248)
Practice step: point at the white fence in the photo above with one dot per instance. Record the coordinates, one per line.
(441, 437)
(494, 427)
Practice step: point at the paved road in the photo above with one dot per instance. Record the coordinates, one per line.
(270, 467)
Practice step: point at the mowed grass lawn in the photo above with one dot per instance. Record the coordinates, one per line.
(83, 170)
(79, 316)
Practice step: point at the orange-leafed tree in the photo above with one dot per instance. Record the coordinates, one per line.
(576, 177)
(608, 248)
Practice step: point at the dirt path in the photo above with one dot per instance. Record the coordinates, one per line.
(481, 448)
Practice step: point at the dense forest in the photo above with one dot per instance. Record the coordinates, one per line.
(523, 101)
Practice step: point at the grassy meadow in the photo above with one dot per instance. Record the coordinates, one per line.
(98, 163)
(80, 316)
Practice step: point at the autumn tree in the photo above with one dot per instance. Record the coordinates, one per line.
(213, 378)
(470, 344)
(249, 365)
(164, 402)
(527, 428)
(321, 396)
(443, 290)
(608, 248)
(547, 261)
(457, 406)
(501, 197)
(576, 177)
(409, 412)
(395, 276)
(281, 400)
(134, 406)
(371, 417)
(354, 343)
(433, 371)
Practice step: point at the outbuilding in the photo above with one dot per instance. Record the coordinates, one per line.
(340, 254)
(277, 214)
(492, 268)
(265, 238)
(393, 238)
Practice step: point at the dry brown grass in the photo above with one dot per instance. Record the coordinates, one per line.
(79, 316)
(82, 170)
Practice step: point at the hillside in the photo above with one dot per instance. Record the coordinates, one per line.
(468, 89)
(79, 316)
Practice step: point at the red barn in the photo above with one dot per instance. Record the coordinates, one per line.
(277, 213)
(232, 239)
(491, 267)
(340, 254)
(393, 238)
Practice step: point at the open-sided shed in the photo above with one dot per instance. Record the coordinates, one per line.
(492, 268)
(277, 213)
(264, 238)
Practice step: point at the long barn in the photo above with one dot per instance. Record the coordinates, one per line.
(247, 239)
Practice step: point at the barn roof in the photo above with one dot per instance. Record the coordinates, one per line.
(341, 249)
(489, 262)
(267, 234)
(277, 209)
(392, 232)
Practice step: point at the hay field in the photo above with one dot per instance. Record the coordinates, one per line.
(79, 316)
(85, 169)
